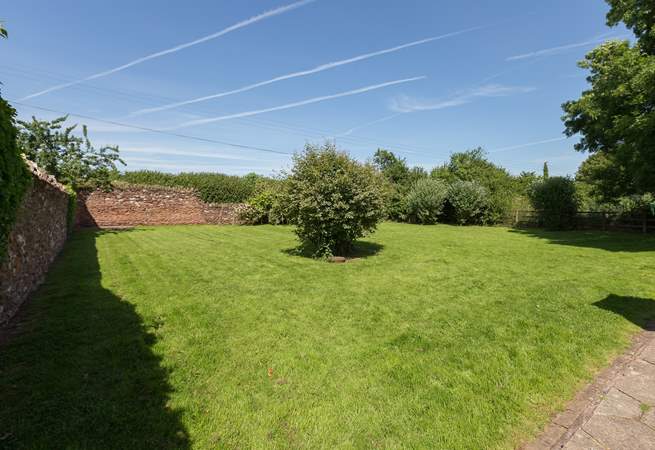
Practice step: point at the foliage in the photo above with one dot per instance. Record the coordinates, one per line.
(637, 15)
(14, 176)
(524, 181)
(71, 159)
(468, 202)
(637, 204)
(401, 178)
(556, 202)
(545, 172)
(424, 202)
(472, 165)
(3, 31)
(393, 168)
(333, 200)
(267, 204)
(210, 187)
(72, 208)
(443, 326)
(616, 119)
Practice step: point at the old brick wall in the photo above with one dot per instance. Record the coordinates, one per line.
(38, 235)
(149, 205)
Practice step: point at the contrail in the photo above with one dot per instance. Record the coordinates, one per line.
(302, 73)
(236, 26)
(529, 144)
(560, 49)
(296, 104)
(373, 122)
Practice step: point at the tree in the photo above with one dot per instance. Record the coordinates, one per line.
(472, 165)
(555, 201)
(393, 168)
(71, 159)
(616, 116)
(3, 31)
(333, 200)
(637, 15)
(545, 172)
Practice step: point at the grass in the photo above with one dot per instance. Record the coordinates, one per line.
(222, 337)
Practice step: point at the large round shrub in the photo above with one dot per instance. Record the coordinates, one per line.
(425, 201)
(333, 200)
(555, 201)
(468, 202)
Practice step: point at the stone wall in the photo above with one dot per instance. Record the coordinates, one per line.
(149, 205)
(38, 235)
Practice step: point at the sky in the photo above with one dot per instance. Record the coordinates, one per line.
(238, 87)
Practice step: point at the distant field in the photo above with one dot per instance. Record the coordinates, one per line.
(222, 337)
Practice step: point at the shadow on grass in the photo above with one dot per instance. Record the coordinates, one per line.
(79, 370)
(611, 241)
(361, 249)
(640, 311)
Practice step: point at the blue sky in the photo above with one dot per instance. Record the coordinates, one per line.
(422, 78)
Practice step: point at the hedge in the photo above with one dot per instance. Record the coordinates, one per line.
(210, 187)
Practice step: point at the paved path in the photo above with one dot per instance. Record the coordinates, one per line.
(617, 411)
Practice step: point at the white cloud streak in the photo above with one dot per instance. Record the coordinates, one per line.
(529, 144)
(297, 104)
(303, 73)
(405, 104)
(367, 124)
(177, 48)
(560, 49)
(128, 151)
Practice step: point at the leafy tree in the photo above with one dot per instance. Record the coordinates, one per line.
(3, 31)
(68, 157)
(333, 200)
(637, 15)
(393, 168)
(524, 181)
(556, 202)
(472, 165)
(616, 116)
(545, 171)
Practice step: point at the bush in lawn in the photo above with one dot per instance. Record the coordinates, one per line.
(424, 202)
(468, 202)
(333, 200)
(555, 201)
(14, 177)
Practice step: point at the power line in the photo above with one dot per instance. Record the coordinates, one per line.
(150, 99)
(153, 130)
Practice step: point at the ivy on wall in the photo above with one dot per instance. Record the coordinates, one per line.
(14, 176)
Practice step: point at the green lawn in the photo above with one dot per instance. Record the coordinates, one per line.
(439, 336)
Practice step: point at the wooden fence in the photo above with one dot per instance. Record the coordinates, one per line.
(590, 220)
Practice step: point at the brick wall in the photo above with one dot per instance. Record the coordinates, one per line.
(38, 235)
(149, 205)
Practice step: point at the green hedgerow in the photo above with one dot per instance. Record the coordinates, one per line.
(209, 187)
